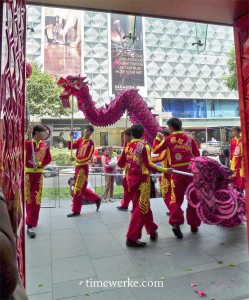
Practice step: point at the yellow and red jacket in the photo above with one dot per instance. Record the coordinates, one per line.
(235, 147)
(137, 159)
(179, 147)
(42, 156)
(84, 150)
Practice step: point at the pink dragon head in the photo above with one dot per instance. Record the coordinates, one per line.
(126, 100)
(218, 202)
(72, 85)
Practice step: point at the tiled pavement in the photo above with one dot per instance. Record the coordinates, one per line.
(69, 251)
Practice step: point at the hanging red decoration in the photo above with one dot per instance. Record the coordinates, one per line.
(28, 70)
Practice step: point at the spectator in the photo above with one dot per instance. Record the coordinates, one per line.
(109, 170)
(204, 153)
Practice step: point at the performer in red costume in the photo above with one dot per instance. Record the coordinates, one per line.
(236, 160)
(37, 157)
(84, 147)
(165, 179)
(127, 197)
(181, 148)
(136, 158)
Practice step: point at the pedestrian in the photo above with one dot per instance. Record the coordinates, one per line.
(136, 158)
(109, 171)
(204, 153)
(126, 197)
(84, 150)
(236, 160)
(222, 157)
(37, 157)
(181, 149)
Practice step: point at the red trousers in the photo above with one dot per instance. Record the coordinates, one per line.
(175, 197)
(33, 196)
(141, 212)
(127, 197)
(165, 186)
(80, 189)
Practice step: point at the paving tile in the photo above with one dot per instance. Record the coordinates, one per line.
(114, 268)
(244, 266)
(45, 296)
(88, 217)
(121, 294)
(64, 231)
(102, 245)
(39, 280)
(214, 245)
(187, 255)
(68, 245)
(38, 253)
(60, 211)
(72, 268)
(92, 247)
(39, 237)
(74, 288)
(221, 284)
(92, 228)
(62, 222)
(233, 257)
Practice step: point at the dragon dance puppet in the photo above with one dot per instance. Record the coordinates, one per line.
(218, 202)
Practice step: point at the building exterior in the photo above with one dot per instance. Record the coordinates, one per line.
(176, 80)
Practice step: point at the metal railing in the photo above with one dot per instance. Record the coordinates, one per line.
(58, 178)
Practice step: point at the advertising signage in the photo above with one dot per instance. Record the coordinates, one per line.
(127, 52)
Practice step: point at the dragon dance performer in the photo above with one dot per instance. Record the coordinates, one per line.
(136, 157)
(126, 198)
(36, 158)
(181, 148)
(85, 148)
(236, 159)
(163, 158)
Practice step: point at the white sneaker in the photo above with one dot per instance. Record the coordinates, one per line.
(111, 200)
(31, 233)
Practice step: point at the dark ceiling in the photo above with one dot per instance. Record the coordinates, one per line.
(208, 11)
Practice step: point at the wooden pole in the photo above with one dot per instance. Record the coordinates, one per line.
(72, 127)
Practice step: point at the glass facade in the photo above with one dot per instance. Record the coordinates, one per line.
(189, 84)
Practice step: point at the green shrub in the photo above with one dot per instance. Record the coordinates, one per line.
(61, 157)
(64, 193)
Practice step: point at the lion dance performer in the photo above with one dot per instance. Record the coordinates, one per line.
(85, 148)
(163, 158)
(37, 157)
(126, 198)
(136, 157)
(236, 160)
(182, 148)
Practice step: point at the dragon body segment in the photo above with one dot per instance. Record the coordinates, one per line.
(127, 100)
